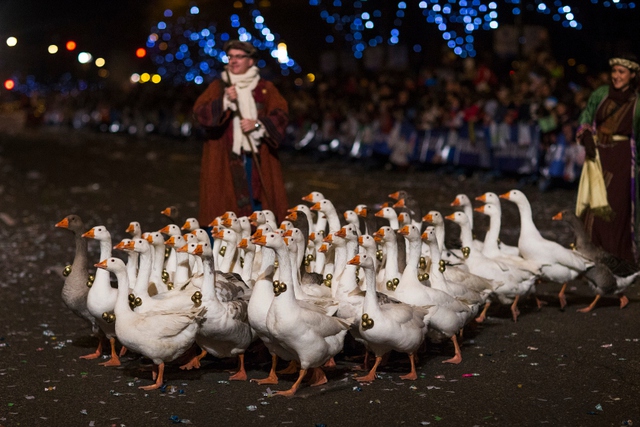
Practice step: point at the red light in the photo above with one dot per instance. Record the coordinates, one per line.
(141, 52)
(9, 84)
(71, 45)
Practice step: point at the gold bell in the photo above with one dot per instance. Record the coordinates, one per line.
(112, 317)
(90, 280)
(137, 301)
(105, 316)
(132, 297)
(306, 262)
(309, 257)
(396, 281)
(276, 264)
(165, 276)
(379, 255)
(571, 245)
(279, 287)
(441, 262)
(167, 251)
(223, 250)
(329, 276)
(327, 283)
(170, 286)
(66, 271)
(367, 322)
(442, 268)
(466, 251)
(196, 297)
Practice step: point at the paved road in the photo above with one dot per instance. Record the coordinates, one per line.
(551, 367)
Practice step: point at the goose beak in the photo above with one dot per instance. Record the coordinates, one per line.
(360, 240)
(129, 246)
(450, 217)
(129, 229)
(341, 233)
(404, 230)
(101, 264)
(149, 238)
(261, 240)
(89, 234)
(362, 212)
(399, 204)
(164, 230)
(198, 250)
(120, 246)
(186, 226)
(171, 241)
(308, 197)
(425, 236)
(482, 198)
(380, 213)
(288, 233)
(323, 248)
(557, 217)
(166, 212)
(227, 222)
(63, 224)
(315, 207)
(218, 235)
(479, 209)
(183, 249)
(504, 196)
(293, 216)
(354, 261)
(243, 243)
(456, 202)
(427, 218)
(328, 239)
(395, 196)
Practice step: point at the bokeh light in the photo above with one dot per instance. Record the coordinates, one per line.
(52, 49)
(84, 57)
(71, 45)
(12, 41)
(9, 84)
(141, 52)
(100, 62)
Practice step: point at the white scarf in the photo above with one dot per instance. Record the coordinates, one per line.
(245, 83)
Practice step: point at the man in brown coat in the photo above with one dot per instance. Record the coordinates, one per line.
(245, 118)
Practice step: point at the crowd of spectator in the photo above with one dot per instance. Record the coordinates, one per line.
(465, 114)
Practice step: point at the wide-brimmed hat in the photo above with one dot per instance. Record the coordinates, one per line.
(246, 47)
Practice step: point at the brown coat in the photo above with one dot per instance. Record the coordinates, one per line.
(217, 191)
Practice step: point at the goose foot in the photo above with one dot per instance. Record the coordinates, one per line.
(317, 377)
(114, 361)
(540, 303)
(294, 387)
(412, 376)
(623, 301)
(241, 375)
(514, 309)
(156, 376)
(371, 376)
(331, 363)
(291, 369)
(457, 358)
(123, 351)
(561, 297)
(272, 378)
(95, 354)
(483, 315)
(195, 362)
(590, 306)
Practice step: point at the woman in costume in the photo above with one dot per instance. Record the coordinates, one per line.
(611, 123)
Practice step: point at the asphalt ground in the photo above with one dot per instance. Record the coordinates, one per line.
(552, 367)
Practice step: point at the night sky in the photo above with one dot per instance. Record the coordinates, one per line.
(114, 28)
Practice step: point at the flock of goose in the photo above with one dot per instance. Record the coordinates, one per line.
(386, 278)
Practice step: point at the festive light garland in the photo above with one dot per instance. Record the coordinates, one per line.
(357, 21)
(186, 51)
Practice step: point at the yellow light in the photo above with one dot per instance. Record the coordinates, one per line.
(100, 62)
(311, 77)
(237, 4)
(103, 73)
(571, 62)
(144, 77)
(12, 41)
(135, 78)
(156, 78)
(52, 49)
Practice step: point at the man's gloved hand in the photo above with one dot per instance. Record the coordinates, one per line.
(586, 139)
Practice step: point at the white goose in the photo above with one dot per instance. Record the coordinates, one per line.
(399, 327)
(225, 331)
(493, 233)
(559, 264)
(511, 281)
(162, 336)
(102, 297)
(303, 329)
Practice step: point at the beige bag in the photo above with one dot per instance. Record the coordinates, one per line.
(592, 192)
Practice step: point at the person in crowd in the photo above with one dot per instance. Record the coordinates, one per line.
(245, 118)
(609, 124)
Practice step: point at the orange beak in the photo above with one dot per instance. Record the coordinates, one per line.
(450, 217)
(557, 217)
(404, 230)
(504, 196)
(89, 234)
(399, 204)
(428, 218)
(482, 198)
(101, 264)
(342, 232)
(395, 196)
(479, 209)
(354, 261)
(63, 224)
(315, 207)
(456, 202)
(164, 230)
